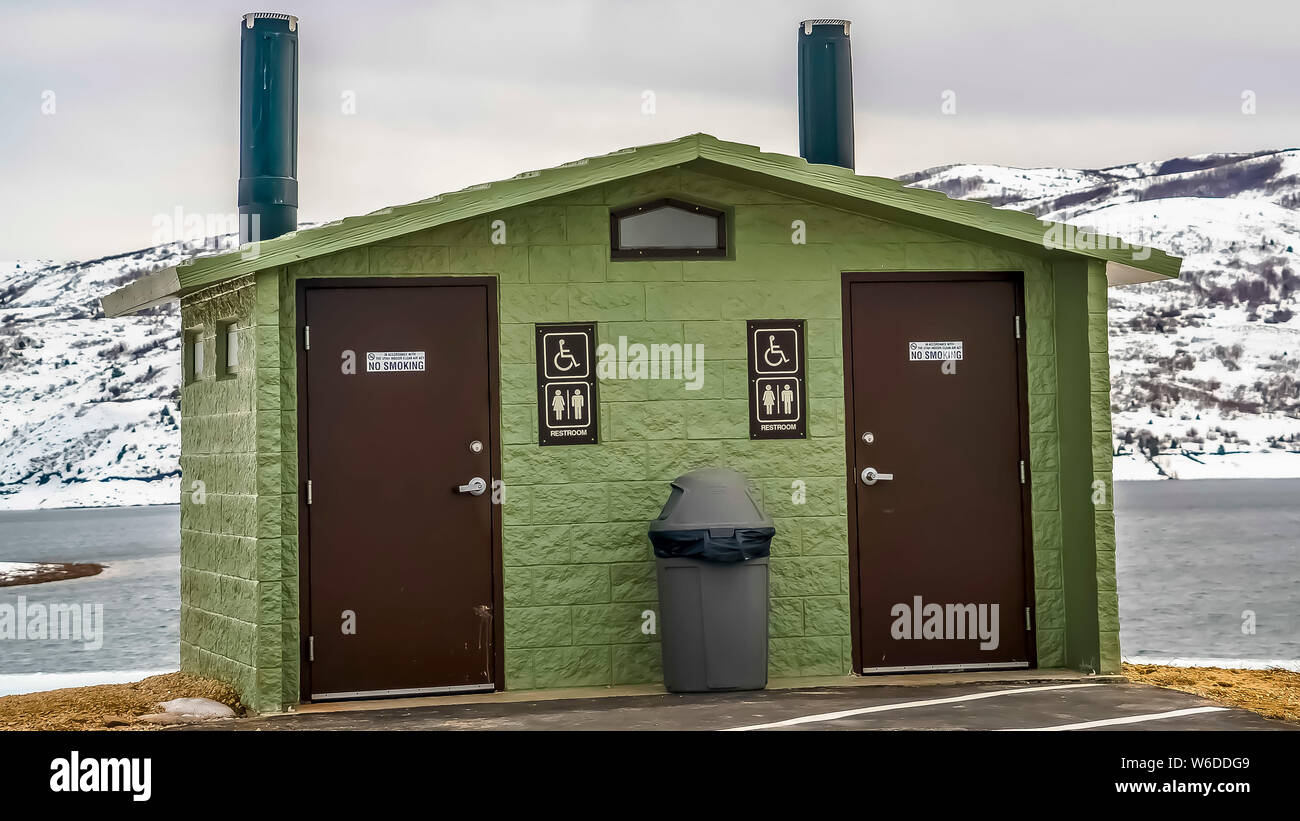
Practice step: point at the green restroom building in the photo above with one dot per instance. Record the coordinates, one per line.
(575, 568)
(941, 495)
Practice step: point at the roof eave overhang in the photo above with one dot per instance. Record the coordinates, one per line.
(148, 291)
(1040, 241)
(1117, 273)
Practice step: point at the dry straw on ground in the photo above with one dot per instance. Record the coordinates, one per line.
(1271, 693)
(108, 706)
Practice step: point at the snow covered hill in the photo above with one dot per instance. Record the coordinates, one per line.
(1205, 371)
(88, 406)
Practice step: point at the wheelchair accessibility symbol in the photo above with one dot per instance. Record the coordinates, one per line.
(563, 360)
(776, 350)
(566, 355)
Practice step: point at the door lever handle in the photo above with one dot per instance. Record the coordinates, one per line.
(870, 476)
(475, 487)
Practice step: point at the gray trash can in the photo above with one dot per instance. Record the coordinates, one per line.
(711, 544)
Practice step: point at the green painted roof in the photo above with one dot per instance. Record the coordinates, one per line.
(839, 187)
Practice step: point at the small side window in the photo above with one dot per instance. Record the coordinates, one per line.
(193, 365)
(228, 349)
(667, 229)
(232, 348)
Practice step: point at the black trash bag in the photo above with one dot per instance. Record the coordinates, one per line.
(711, 516)
(739, 545)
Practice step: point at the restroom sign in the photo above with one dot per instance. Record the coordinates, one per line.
(778, 385)
(566, 384)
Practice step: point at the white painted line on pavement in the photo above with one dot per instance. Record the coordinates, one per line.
(904, 705)
(1109, 722)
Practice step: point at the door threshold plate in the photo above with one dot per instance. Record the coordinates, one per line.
(410, 691)
(949, 668)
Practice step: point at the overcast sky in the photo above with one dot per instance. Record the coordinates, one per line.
(448, 94)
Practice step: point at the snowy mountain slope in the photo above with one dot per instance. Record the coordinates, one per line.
(1063, 193)
(89, 411)
(1212, 360)
(88, 405)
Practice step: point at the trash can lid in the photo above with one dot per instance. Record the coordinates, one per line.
(707, 499)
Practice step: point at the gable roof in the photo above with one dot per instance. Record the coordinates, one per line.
(839, 187)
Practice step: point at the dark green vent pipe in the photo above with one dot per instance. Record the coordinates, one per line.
(825, 92)
(268, 126)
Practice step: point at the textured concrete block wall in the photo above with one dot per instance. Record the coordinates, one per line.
(239, 610)
(219, 567)
(578, 569)
(1102, 464)
(1044, 461)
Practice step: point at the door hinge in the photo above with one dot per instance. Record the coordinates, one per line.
(309, 491)
(306, 337)
(1029, 619)
(1017, 326)
(311, 647)
(1022, 472)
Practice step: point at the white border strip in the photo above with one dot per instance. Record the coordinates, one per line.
(881, 708)
(1110, 722)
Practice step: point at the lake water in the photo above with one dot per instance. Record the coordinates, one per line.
(139, 589)
(1192, 556)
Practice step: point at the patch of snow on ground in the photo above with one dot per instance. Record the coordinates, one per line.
(17, 683)
(17, 570)
(1131, 467)
(1231, 466)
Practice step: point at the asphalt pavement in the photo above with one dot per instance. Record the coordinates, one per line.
(1042, 706)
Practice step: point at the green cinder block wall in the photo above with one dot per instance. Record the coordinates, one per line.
(578, 568)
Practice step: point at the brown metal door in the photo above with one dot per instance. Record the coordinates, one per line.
(399, 384)
(940, 560)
